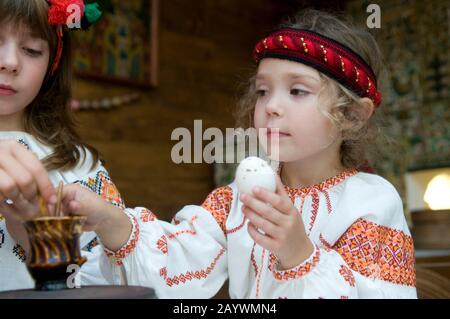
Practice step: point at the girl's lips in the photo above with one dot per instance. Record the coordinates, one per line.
(274, 133)
(7, 90)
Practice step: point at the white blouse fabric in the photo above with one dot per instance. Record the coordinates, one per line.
(363, 248)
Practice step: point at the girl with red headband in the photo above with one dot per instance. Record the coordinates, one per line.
(329, 231)
(35, 89)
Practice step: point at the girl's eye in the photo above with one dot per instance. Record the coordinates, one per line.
(32, 52)
(298, 92)
(260, 93)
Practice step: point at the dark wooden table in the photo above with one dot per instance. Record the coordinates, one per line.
(89, 292)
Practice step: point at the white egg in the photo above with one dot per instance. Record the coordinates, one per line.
(254, 171)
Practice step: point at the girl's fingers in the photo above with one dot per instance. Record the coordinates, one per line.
(37, 171)
(262, 240)
(265, 225)
(8, 212)
(8, 188)
(263, 209)
(25, 209)
(286, 203)
(23, 180)
(20, 211)
(277, 201)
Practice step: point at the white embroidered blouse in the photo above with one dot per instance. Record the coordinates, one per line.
(363, 248)
(13, 272)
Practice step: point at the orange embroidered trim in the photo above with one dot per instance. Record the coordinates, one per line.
(103, 186)
(296, 272)
(325, 185)
(147, 215)
(184, 231)
(253, 261)
(258, 278)
(348, 275)
(325, 244)
(190, 275)
(329, 207)
(315, 209)
(161, 244)
(233, 230)
(181, 232)
(218, 203)
(19, 252)
(129, 246)
(371, 249)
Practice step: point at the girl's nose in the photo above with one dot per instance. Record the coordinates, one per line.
(273, 107)
(9, 60)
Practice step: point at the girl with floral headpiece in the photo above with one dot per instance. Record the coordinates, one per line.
(36, 124)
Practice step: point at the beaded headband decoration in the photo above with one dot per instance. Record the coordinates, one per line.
(58, 14)
(323, 54)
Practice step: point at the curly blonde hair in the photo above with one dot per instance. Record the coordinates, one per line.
(339, 104)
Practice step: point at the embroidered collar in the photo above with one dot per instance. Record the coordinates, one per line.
(325, 185)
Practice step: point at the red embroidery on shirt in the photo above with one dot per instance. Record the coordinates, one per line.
(190, 275)
(233, 230)
(184, 231)
(296, 272)
(161, 244)
(218, 203)
(327, 184)
(315, 209)
(325, 244)
(253, 261)
(369, 248)
(147, 215)
(129, 247)
(348, 275)
(104, 186)
(327, 197)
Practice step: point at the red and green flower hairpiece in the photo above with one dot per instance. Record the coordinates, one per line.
(59, 14)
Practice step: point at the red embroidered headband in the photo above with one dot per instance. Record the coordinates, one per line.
(58, 14)
(323, 54)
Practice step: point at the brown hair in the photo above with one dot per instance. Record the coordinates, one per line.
(48, 117)
(341, 105)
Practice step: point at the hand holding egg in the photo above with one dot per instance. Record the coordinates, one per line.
(274, 222)
(252, 172)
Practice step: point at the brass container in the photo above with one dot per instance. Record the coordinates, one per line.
(54, 245)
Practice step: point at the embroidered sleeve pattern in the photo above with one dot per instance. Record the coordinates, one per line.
(218, 203)
(129, 247)
(378, 252)
(192, 274)
(102, 185)
(296, 272)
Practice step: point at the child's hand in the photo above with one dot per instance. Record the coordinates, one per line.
(81, 201)
(22, 179)
(109, 222)
(274, 214)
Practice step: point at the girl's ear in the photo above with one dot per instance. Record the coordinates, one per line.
(361, 113)
(367, 107)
